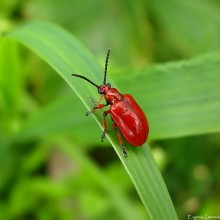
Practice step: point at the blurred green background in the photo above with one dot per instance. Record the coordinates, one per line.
(66, 173)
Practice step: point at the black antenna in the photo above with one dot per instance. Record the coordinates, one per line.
(106, 65)
(83, 77)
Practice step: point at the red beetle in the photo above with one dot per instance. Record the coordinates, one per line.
(129, 119)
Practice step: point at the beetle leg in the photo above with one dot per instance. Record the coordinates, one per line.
(97, 105)
(120, 140)
(105, 113)
(92, 100)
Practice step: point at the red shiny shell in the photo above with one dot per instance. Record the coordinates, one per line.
(131, 120)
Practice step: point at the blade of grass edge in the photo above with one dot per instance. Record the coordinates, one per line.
(66, 55)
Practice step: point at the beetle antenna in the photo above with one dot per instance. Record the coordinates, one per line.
(106, 65)
(88, 80)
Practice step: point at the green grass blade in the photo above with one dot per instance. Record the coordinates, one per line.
(66, 55)
(10, 77)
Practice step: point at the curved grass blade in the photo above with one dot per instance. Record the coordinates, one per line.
(66, 55)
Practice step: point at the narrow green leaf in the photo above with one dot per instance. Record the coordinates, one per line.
(11, 80)
(66, 55)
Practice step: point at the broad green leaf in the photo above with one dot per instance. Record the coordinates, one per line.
(66, 55)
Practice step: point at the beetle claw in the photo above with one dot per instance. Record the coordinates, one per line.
(103, 136)
(89, 112)
(124, 151)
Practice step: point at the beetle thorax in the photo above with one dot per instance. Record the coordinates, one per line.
(113, 95)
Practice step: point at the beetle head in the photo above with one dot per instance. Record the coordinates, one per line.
(103, 89)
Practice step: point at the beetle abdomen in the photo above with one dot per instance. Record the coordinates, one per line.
(131, 120)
